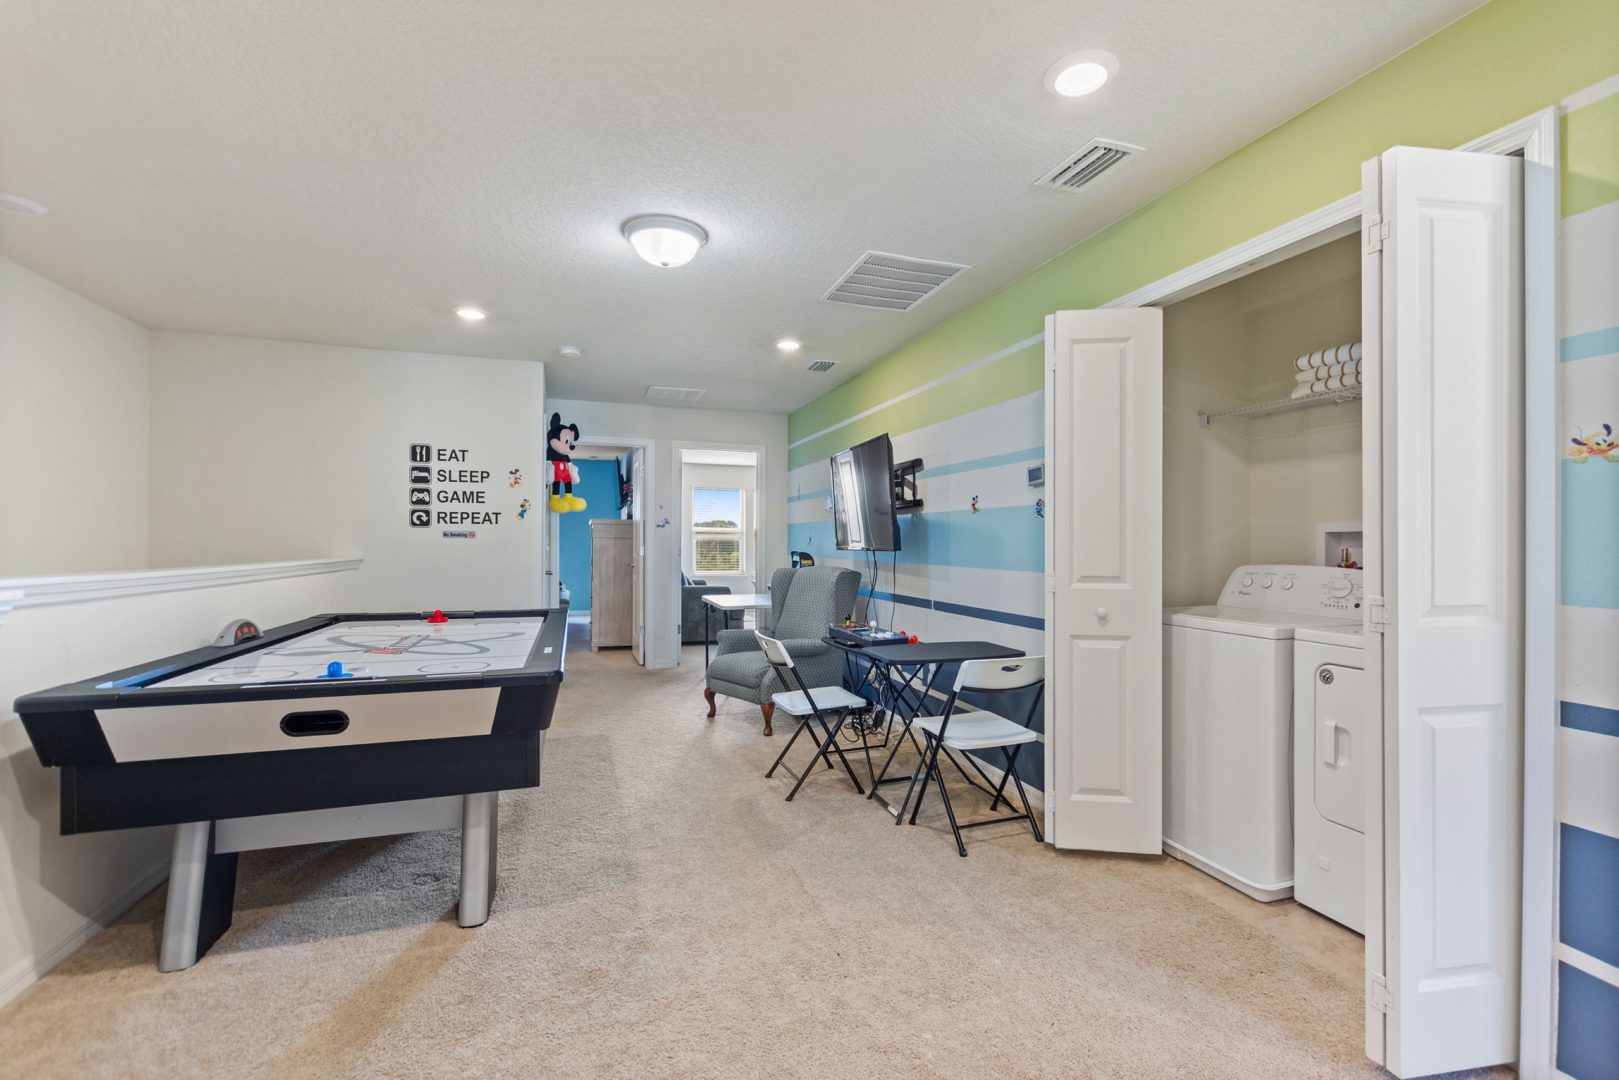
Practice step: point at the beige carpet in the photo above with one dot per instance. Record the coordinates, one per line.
(662, 912)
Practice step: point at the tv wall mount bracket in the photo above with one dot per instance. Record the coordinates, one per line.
(905, 497)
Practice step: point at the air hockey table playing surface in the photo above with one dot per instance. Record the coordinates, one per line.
(379, 650)
(261, 743)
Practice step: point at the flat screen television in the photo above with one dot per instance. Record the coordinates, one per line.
(863, 497)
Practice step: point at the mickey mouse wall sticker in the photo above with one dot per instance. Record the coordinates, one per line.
(560, 440)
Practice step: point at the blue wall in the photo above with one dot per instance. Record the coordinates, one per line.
(598, 486)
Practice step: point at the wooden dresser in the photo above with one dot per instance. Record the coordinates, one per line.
(612, 580)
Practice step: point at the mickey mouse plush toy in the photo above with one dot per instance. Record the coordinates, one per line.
(559, 444)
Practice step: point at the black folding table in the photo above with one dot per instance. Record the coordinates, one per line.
(902, 697)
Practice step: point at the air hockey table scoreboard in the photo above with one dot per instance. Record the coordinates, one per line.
(334, 727)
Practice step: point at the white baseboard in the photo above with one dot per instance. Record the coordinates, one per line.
(29, 970)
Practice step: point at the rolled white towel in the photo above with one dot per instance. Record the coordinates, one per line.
(1329, 371)
(1311, 360)
(1321, 386)
(1338, 354)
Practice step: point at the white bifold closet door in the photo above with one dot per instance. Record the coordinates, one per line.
(1104, 579)
(1443, 295)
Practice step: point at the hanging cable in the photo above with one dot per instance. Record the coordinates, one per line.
(893, 580)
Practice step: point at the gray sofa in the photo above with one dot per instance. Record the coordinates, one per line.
(803, 603)
(692, 610)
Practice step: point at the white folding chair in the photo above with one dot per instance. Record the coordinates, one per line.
(972, 731)
(809, 705)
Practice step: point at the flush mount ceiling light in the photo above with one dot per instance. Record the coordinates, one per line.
(16, 204)
(1081, 73)
(570, 352)
(466, 313)
(663, 240)
(789, 345)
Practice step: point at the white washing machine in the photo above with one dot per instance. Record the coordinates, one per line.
(1330, 773)
(1228, 720)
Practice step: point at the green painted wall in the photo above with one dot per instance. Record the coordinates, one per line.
(1504, 61)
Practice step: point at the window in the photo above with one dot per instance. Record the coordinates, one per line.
(716, 531)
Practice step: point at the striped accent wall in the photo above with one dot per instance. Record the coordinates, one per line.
(1588, 736)
(961, 573)
(966, 398)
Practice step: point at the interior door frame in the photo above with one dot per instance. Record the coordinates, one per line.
(1536, 138)
(644, 445)
(761, 502)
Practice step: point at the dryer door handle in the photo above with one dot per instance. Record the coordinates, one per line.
(1329, 742)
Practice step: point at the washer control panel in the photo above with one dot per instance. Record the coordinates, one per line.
(1300, 590)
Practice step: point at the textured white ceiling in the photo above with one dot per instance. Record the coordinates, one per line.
(349, 172)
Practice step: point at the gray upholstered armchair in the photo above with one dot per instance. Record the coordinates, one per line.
(803, 602)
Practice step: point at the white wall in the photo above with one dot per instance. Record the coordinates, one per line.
(708, 427)
(1206, 470)
(59, 889)
(74, 425)
(744, 478)
(268, 450)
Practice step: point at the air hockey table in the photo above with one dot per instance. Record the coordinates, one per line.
(331, 728)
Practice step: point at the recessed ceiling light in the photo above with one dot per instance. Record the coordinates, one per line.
(16, 204)
(663, 240)
(1081, 73)
(789, 345)
(471, 314)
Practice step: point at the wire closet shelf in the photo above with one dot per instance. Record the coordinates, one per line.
(1284, 405)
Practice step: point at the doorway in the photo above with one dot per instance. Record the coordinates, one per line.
(597, 556)
(721, 507)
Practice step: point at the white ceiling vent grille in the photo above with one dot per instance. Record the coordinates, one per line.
(1090, 161)
(820, 365)
(674, 393)
(891, 282)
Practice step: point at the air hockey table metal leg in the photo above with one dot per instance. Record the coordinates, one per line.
(480, 836)
(202, 892)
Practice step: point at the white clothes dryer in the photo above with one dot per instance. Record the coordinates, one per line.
(1330, 773)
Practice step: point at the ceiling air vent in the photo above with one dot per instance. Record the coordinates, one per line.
(674, 393)
(893, 282)
(820, 365)
(1092, 160)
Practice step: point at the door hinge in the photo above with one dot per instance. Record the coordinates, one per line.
(1377, 231)
(1377, 992)
(1378, 616)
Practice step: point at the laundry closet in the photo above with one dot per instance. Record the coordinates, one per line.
(1253, 488)
(1218, 687)
(1264, 784)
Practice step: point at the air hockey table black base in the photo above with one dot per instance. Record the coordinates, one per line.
(320, 758)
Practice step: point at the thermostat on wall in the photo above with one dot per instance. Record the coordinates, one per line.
(1037, 475)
